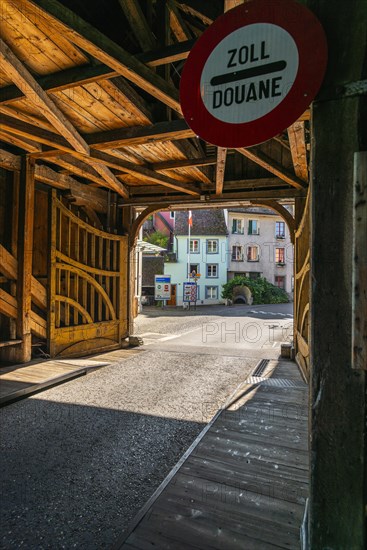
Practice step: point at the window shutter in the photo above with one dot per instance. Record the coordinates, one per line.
(250, 227)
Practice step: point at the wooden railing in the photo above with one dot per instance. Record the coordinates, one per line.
(8, 302)
(88, 285)
(302, 291)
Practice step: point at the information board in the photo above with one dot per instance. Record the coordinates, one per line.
(162, 287)
(190, 292)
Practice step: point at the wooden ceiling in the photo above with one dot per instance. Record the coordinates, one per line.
(99, 109)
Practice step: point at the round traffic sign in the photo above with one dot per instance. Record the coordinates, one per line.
(253, 72)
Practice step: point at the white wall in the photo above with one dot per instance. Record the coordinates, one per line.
(178, 270)
(267, 243)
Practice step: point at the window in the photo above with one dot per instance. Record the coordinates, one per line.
(280, 230)
(280, 281)
(212, 246)
(237, 254)
(253, 227)
(237, 226)
(253, 274)
(194, 246)
(211, 292)
(212, 270)
(280, 255)
(194, 269)
(252, 253)
(172, 215)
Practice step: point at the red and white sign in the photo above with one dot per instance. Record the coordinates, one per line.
(253, 72)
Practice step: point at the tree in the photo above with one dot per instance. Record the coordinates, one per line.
(157, 238)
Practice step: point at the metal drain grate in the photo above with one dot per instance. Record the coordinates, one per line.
(261, 367)
(275, 382)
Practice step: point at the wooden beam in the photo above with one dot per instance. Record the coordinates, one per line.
(359, 297)
(177, 24)
(230, 4)
(38, 97)
(8, 305)
(93, 217)
(78, 168)
(186, 163)
(244, 195)
(120, 164)
(16, 112)
(86, 74)
(8, 264)
(122, 86)
(62, 80)
(138, 24)
(9, 161)
(88, 38)
(297, 142)
(110, 179)
(235, 185)
(137, 135)
(257, 156)
(168, 54)
(195, 13)
(220, 169)
(84, 194)
(28, 145)
(337, 404)
(19, 128)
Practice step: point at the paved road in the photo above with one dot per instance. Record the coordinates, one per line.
(79, 460)
(247, 331)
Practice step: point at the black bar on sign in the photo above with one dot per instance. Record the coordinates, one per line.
(248, 73)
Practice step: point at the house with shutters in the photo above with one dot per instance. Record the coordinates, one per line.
(259, 245)
(202, 256)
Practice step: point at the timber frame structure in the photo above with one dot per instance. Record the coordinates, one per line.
(93, 140)
(98, 121)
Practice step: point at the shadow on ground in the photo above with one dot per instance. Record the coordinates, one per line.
(74, 476)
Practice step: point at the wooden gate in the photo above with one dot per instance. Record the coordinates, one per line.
(88, 286)
(302, 291)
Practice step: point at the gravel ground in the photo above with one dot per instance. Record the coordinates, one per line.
(79, 460)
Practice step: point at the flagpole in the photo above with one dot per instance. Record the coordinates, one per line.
(188, 248)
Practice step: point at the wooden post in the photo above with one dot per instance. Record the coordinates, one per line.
(359, 317)
(127, 222)
(51, 320)
(25, 253)
(14, 244)
(338, 399)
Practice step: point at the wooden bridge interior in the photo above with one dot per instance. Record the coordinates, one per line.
(93, 139)
(92, 133)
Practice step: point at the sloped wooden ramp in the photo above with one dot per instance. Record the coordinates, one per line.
(244, 482)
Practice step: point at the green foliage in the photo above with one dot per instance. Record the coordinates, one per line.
(262, 291)
(158, 238)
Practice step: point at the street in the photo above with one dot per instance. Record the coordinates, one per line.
(79, 460)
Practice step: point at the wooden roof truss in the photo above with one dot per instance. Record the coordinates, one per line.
(103, 115)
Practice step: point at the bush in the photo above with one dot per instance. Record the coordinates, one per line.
(158, 238)
(262, 291)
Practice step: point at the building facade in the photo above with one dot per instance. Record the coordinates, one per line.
(259, 245)
(203, 256)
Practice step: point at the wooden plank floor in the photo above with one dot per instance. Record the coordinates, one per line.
(19, 381)
(244, 483)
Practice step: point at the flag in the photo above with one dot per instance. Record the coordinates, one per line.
(190, 218)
